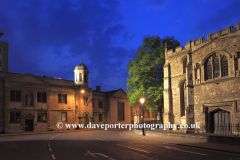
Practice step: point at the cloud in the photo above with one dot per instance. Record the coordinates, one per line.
(218, 20)
(49, 37)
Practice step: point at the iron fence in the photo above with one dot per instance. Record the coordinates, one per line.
(228, 130)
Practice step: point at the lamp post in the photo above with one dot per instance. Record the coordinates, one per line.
(142, 100)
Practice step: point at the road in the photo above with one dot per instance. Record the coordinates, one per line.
(98, 144)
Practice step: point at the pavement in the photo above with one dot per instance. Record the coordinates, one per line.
(235, 149)
(195, 143)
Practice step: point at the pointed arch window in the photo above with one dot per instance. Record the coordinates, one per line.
(208, 70)
(216, 69)
(224, 66)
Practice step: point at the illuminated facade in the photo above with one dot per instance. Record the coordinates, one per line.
(38, 103)
(202, 82)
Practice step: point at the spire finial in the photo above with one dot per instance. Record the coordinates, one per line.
(81, 61)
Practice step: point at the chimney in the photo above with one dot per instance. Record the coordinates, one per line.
(98, 88)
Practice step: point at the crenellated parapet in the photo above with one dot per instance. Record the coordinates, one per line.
(190, 46)
(179, 49)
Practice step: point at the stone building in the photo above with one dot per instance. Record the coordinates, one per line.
(38, 103)
(202, 82)
(3, 54)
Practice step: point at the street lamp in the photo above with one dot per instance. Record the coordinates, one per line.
(142, 100)
(82, 91)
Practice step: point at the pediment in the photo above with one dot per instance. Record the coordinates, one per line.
(26, 78)
(28, 115)
(120, 93)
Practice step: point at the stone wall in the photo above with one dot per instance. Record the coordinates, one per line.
(219, 94)
(202, 94)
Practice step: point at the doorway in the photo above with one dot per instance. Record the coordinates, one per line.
(221, 122)
(28, 124)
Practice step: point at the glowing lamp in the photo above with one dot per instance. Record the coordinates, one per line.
(142, 100)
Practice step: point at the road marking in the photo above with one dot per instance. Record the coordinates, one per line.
(123, 135)
(48, 145)
(50, 149)
(93, 155)
(53, 157)
(174, 148)
(102, 140)
(138, 149)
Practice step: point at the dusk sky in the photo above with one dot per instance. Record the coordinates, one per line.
(51, 36)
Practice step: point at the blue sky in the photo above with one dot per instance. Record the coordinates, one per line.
(51, 36)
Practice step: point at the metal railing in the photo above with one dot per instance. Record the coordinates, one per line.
(228, 130)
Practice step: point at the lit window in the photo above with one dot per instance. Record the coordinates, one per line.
(41, 117)
(62, 116)
(62, 98)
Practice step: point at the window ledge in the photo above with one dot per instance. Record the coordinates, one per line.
(216, 80)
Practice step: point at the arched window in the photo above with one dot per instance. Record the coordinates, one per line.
(224, 66)
(208, 70)
(80, 76)
(216, 69)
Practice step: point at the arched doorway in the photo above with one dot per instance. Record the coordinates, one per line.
(221, 122)
(86, 117)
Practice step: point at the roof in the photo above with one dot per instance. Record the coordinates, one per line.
(109, 93)
(81, 66)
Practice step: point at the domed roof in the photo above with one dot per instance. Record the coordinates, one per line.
(81, 66)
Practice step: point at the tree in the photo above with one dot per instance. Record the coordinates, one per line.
(146, 72)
